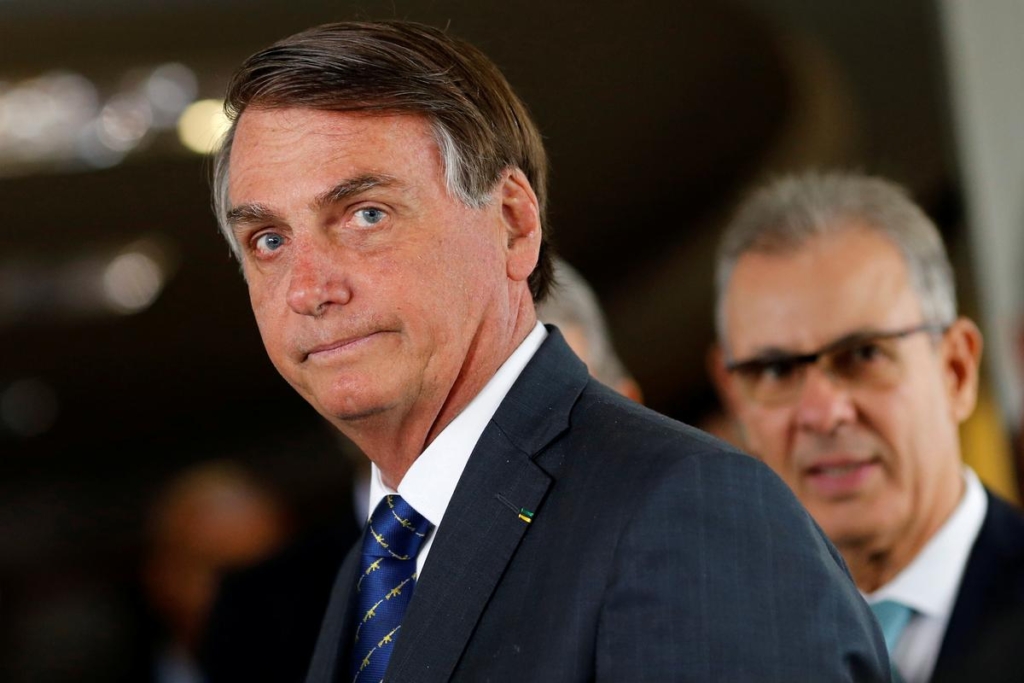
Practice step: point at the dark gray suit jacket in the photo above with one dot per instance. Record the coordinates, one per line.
(656, 553)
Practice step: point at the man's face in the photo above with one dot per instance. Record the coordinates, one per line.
(875, 464)
(375, 292)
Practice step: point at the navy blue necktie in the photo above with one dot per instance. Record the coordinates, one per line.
(385, 585)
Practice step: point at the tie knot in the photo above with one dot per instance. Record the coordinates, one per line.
(892, 617)
(396, 530)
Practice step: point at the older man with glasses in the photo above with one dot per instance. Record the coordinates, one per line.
(842, 356)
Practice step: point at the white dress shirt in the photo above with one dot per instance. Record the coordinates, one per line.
(931, 582)
(430, 482)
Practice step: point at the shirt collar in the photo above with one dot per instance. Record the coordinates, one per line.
(929, 584)
(429, 484)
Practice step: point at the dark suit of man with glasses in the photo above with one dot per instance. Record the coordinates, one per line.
(844, 359)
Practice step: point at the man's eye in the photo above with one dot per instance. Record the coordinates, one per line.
(777, 370)
(768, 370)
(867, 352)
(861, 353)
(858, 359)
(269, 241)
(369, 216)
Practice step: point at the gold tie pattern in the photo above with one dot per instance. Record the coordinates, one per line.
(394, 536)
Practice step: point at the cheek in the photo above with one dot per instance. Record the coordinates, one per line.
(897, 420)
(767, 434)
(268, 318)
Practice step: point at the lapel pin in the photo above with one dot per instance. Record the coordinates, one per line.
(523, 513)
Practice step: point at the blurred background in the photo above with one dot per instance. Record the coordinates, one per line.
(128, 353)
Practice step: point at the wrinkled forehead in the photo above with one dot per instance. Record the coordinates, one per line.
(303, 151)
(829, 287)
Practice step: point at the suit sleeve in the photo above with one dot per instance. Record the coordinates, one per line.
(721, 575)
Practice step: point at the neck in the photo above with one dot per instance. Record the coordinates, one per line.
(393, 440)
(871, 571)
(875, 562)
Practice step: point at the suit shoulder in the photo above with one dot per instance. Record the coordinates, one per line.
(619, 428)
(622, 453)
(1000, 543)
(1005, 516)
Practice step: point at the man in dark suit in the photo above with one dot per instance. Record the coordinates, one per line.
(384, 190)
(266, 618)
(844, 359)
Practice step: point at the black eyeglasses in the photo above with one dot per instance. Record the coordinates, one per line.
(860, 359)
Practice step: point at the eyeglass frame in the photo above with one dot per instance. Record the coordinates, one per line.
(803, 360)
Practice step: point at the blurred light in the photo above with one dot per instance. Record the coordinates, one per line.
(170, 88)
(124, 121)
(28, 407)
(134, 279)
(40, 118)
(132, 282)
(202, 125)
(59, 119)
(27, 110)
(93, 151)
(122, 281)
(76, 93)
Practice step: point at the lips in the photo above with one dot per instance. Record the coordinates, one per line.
(338, 347)
(840, 477)
(835, 470)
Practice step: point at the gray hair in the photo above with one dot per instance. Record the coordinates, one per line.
(781, 216)
(480, 125)
(573, 302)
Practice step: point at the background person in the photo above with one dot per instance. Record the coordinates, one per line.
(265, 618)
(574, 309)
(211, 519)
(849, 371)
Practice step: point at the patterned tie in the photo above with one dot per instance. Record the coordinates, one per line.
(893, 617)
(384, 587)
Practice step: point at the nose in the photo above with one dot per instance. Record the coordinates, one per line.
(824, 404)
(315, 282)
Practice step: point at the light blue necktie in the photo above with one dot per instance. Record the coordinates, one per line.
(390, 545)
(893, 617)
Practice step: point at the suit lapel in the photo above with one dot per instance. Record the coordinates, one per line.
(985, 584)
(486, 518)
(337, 625)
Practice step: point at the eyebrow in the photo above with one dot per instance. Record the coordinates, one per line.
(347, 189)
(244, 215)
(248, 214)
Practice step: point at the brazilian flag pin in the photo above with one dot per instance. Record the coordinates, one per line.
(525, 515)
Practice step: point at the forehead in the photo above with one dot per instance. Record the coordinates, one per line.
(303, 150)
(833, 285)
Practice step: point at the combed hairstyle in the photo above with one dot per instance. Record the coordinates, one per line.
(572, 302)
(783, 215)
(481, 127)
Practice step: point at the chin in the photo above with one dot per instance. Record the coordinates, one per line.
(848, 528)
(352, 404)
(348, 399)
(351, 414)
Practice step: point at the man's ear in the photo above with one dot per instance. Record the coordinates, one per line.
(962, 345)
(521, 216)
